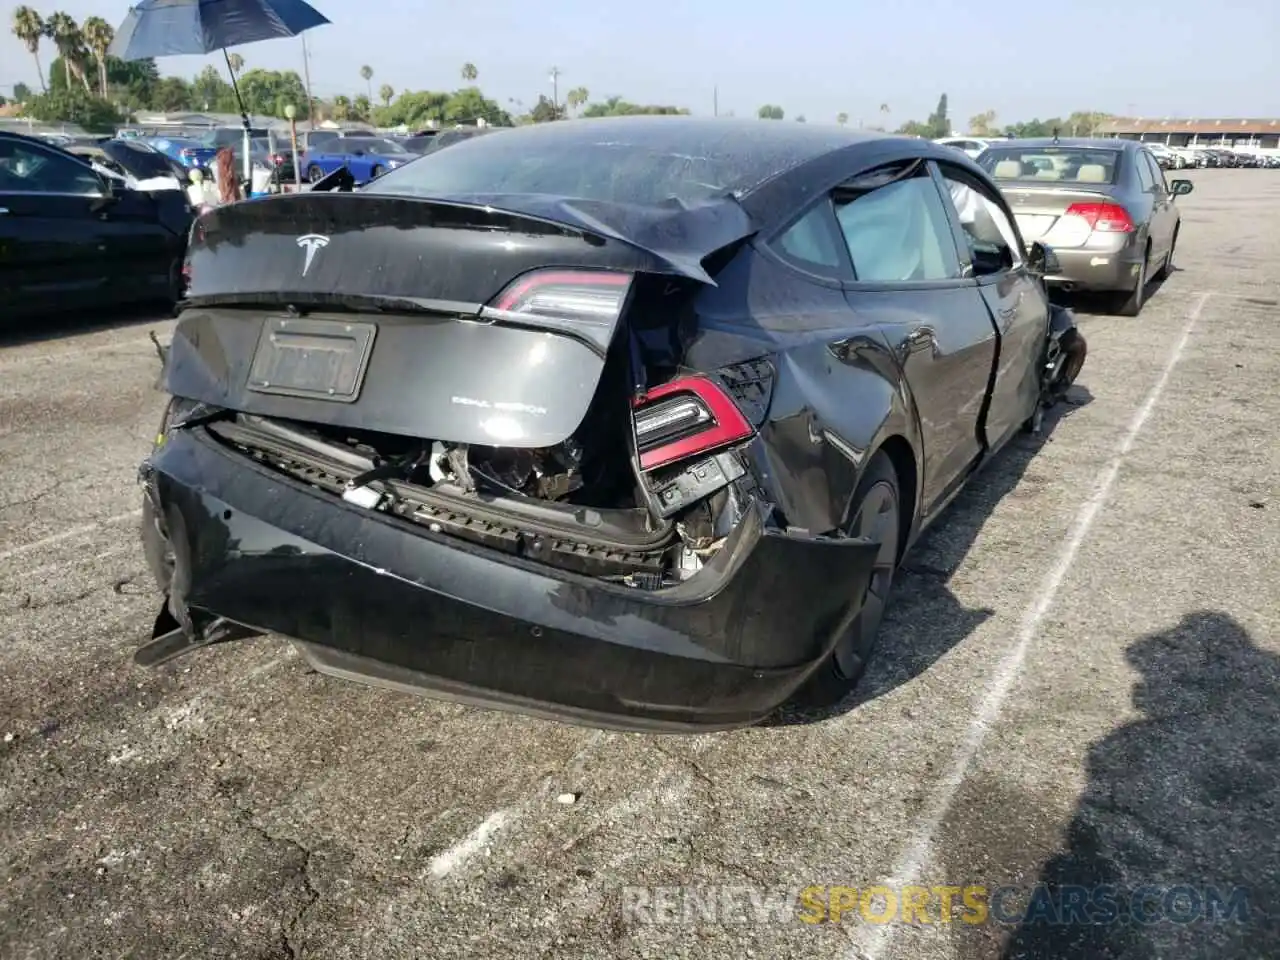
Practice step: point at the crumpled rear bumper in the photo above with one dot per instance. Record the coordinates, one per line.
(376, 598)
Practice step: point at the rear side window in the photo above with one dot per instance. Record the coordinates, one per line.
(898, 233)
(1144, 172)
(1072, 164)
(811, 243)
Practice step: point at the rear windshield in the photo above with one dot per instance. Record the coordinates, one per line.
(141, 160)
(591, 168)
(1072, 164)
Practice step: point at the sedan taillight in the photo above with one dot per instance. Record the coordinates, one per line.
(1103, 217)
(684, 418)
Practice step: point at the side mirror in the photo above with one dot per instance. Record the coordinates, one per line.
(989, 258)
(1042, 260)
(1180, 188)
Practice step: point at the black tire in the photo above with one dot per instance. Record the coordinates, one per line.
(177, 285)
(1131, 303)
(877, 512)
(314, 174)
(1167, 266)
(375, 173)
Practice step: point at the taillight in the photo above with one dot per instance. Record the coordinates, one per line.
(567, 294)
(1103, 217)
(684, 418)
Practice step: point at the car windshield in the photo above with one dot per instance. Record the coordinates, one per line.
(1073, 164)
(619, 169)
(368, 145)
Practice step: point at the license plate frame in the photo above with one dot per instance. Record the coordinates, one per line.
(312, 359)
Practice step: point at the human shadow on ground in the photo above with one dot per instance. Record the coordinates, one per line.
(17, 332)
(925, 619)
(1182, 802)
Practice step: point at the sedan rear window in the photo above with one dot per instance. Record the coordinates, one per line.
(1072, 164)
(590, 168)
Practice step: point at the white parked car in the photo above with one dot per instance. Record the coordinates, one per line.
(970, 145)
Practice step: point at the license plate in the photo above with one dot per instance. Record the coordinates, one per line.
(312, 359)
(1033, 226)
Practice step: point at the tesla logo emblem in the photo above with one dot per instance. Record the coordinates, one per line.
(311, 243)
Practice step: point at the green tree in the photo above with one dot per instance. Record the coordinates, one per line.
(770, 112)
(800, 119)
(341, 108)
(208, 89)
(938, 123)
(236, 62)
(577, 98)
(1085, 123)
(469, 72)
(544, 111)
(72, 104)
(21, 93)
(842, 118)
(29, 27)
(385, 93)
(171, 95)
(98, 35)
(366, 73)
(983, 124)
(617, 107)
(65, 33)
(362, 108)
(469, 105)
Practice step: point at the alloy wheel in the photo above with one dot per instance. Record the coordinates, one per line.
(879, 520)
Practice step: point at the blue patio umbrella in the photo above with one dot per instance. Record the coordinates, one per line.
(172, 28)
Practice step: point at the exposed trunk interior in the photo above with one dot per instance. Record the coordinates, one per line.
(581, 505)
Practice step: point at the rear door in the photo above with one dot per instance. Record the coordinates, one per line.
(1163, 214)
(52, 247)
(908, 280)
(1015, 300)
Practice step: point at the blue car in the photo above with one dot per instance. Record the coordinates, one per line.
(365, 157)
(187, 151)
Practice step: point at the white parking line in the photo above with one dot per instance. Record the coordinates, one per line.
(67, 535)
(870, 943)
(471, 844)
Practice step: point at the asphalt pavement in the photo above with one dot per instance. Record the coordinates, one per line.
(1078, 687)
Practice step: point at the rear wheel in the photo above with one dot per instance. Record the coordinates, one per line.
(1132, 302)
(375, 173)
(878, 516)
(314, 173)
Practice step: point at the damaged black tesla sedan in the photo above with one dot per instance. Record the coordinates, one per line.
(625, 421)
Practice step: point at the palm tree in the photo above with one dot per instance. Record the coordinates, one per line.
(98, 34)
(884, 110)
(842, 118)
(236, 62)
(385, 93)
(367, 73)
(341, 108)
(469, 72)
(63, 30)
(362, 108)
(29, 27)
(576, 97)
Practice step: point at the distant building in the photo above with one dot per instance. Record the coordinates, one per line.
(1228, 132)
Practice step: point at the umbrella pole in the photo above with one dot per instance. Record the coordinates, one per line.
(244, 116)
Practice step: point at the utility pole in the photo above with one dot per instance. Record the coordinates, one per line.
(306, 73)
(555, 90)
(715, 101)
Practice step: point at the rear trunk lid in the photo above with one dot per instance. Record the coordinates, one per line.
(419, 317)
(1040, 211)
